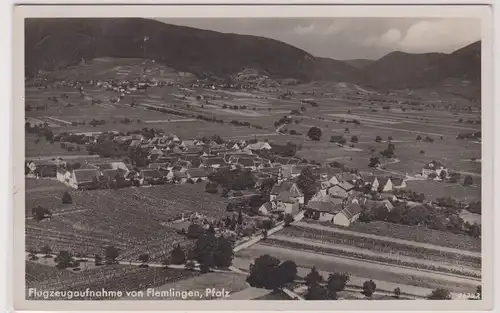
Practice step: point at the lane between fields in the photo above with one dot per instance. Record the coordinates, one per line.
(390, 239)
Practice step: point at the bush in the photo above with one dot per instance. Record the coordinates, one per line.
(439, 294)
(369, 287)
(468, 181)
(66, 198)
(288, 219)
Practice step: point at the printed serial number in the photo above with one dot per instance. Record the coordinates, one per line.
(475, 296)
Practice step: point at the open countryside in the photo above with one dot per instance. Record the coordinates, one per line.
(143, 172)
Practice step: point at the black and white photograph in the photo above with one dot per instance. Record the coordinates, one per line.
(256, 158)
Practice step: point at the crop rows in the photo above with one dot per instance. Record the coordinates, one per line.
(117, 278)
(36, 273)
(382, 246)
(415, 233)
(340, 252)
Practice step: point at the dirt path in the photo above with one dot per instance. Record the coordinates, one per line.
(390, 239)
(358, 268)
(369, 253)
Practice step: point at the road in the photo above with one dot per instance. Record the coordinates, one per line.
(390, 239)
(359, 268)
(64, 157)
(374, 254)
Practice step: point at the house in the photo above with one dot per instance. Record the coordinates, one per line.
(84, 178)
(150, 177)
(270, 170)
(213, 162)
(111, 174)
(63, 175)
(46, 170)
(258, 146)
(281, 161)
(266, 208)
(287, 203)
(346, 186)
(338, 192)
(157, 166)
(287, 186)
(292, 171)
(233, 145)
(398, 183)
(434, 167)
(194, 159)
(348, 215)
(247, 163)
(383, 184)
(180, 177)
(197, 174)
(345, 177)
(324, 210)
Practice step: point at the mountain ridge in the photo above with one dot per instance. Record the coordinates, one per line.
(57, 43)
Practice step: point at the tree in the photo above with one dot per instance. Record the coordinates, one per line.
(346, 130)
(419, 138)
(369, 287)
(223, 254)
(204, 250)
(63, 260)
(354, 139)
(66, 198)
(306, 183)
(263, 272)
(397, 292)
(314, 277)
(314, 133)
(47, 251)
(378, 139)
(442, 175)
(389, 138)
(468, 181)
(336, 282)
(177, 256)
(439, 294)
(110, 254)
(316, 292)
(97, 260)
(144, 258)
(240, 218)
(194, 231)
(374, 162)
(288, 219)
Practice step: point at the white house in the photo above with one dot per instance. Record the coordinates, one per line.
(434, 167)
(348, 215)
(261, 145)
(385, 182)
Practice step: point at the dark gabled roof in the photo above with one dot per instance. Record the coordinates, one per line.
(397, 181)
(325, 206)
(212, 161)
(111, 173)
(180, 174)
(197, 173)
(351, 210)
(286, 186)
(281, 160)
(246, 162)
(270, 170)
(434, 165)
(85, 175)
(88, 166)
(151, 173)
(157, 165)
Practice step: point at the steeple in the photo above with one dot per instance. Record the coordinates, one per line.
(280, 175)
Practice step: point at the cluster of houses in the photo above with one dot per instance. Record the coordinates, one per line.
(338, 199)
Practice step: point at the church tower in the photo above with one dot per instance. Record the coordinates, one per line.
(280, 176)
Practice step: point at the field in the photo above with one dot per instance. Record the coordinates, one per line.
(381, 274)
(129, 219)
(415, 233)
(111, 278)
(392, 249)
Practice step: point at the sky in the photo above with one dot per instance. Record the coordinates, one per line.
(351, 38)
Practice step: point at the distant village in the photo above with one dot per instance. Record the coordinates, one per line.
(336, 194)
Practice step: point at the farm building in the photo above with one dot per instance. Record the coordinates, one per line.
(292, 171)
(258, 146)
(157, 166)
(213, 162)
(287, 186)
(149, 176)
(324, 210)
(287, 203)
(348, 215)
(247, 163)
(338, 192)
(197, 174)
(83, 178)
(434, 167)
(399, 183)
(381, 183)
